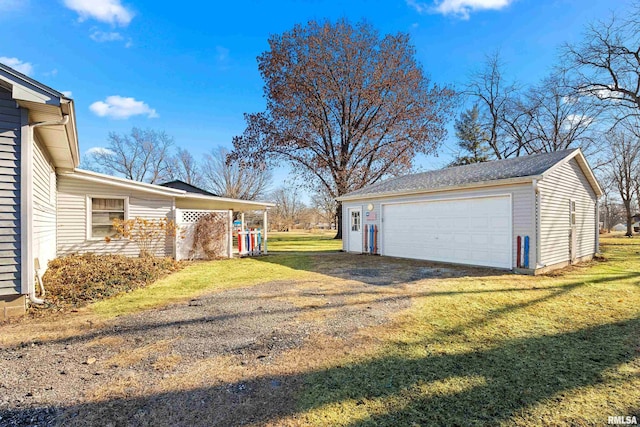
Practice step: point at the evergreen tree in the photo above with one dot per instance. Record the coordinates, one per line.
(471, 138)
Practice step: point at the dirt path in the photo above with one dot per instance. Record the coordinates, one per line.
(222, 359)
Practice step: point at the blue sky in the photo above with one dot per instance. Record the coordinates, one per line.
(189, 68)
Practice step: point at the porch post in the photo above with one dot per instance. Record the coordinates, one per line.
(230, 233)
(264, 230)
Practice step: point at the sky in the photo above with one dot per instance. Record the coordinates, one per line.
(189, 68)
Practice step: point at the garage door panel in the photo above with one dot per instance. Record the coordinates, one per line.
(471, 231)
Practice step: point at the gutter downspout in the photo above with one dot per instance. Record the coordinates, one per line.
(61, 122)
(32, 289)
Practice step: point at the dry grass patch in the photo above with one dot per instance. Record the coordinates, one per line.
(135, 355)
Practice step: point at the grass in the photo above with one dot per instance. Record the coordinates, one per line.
(197, 279)
(512, 350)
(292, 241)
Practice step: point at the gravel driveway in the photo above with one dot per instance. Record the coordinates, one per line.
(127, 371)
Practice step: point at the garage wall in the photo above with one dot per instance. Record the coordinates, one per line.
(522, 196)
(556, 190)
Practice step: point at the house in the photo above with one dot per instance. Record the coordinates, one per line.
(530, 214)
(49, 207)
(619, 227)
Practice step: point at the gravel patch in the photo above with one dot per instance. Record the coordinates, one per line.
(47, 384)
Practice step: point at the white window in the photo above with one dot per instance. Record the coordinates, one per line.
(102, 212)
(355, 220)
(572, 212)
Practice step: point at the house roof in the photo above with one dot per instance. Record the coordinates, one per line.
(181, 185)
(184, 199)
(46, 105)
(513, 170)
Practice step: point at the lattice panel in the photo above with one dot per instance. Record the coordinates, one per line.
(191, 217)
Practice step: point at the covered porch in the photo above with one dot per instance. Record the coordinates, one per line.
(235, 236)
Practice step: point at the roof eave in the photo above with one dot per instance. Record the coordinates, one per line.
(123, 183)
(481, 184)
(195, 196)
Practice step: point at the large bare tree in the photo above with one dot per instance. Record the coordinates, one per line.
(289, 207)
(142, 155)
(494, 95)
(606, 63)
(345, 106)
(183, 166)
(228, 178)
(549, 117)
(624, 168)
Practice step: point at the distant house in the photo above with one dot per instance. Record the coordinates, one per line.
(476, 214)
(620, 227)
(49, 207)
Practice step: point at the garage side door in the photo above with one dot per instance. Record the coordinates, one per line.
(475, 231)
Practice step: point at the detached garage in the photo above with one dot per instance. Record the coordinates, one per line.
(530, 214)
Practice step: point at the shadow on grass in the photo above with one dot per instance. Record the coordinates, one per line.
(375, 270)
(430, 390)
(149, 325)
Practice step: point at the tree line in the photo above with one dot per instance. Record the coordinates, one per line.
(152, 156)
(347, 107)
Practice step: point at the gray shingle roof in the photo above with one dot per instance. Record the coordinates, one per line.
(455, 176)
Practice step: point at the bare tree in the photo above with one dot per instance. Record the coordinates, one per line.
(325, 205)
(494, 96)
(288, 209)
(185, 168)
(228, 178)
(606, 63)
(143, 155)
(625, 158)
(345, 107)
(549, 117)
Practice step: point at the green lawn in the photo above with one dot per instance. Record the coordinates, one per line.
(292, 241)
(511, 350)
(487, 349)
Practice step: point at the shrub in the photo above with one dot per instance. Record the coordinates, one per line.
(75, 280)
(148, 234)
(209, 235)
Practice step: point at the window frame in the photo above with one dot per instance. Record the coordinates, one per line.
(89, 212)
(358, 223)
(573, 216)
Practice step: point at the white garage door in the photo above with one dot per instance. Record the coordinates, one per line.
(475, 231)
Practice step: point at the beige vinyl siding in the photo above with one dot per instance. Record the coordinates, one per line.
(73, 213)
(44, 208)
(10, 135)
(563, 184)
(522, 205)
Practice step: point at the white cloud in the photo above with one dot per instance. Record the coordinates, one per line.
(18, 65)
(99, 150)
(102, 36)
(459, 8)
(109, 11)
(67, 93)
(8, 5)
(118, 107)
(222, 53)
(577, 120)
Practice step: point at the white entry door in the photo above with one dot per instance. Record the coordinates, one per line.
(474, 231)
(355, 230)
